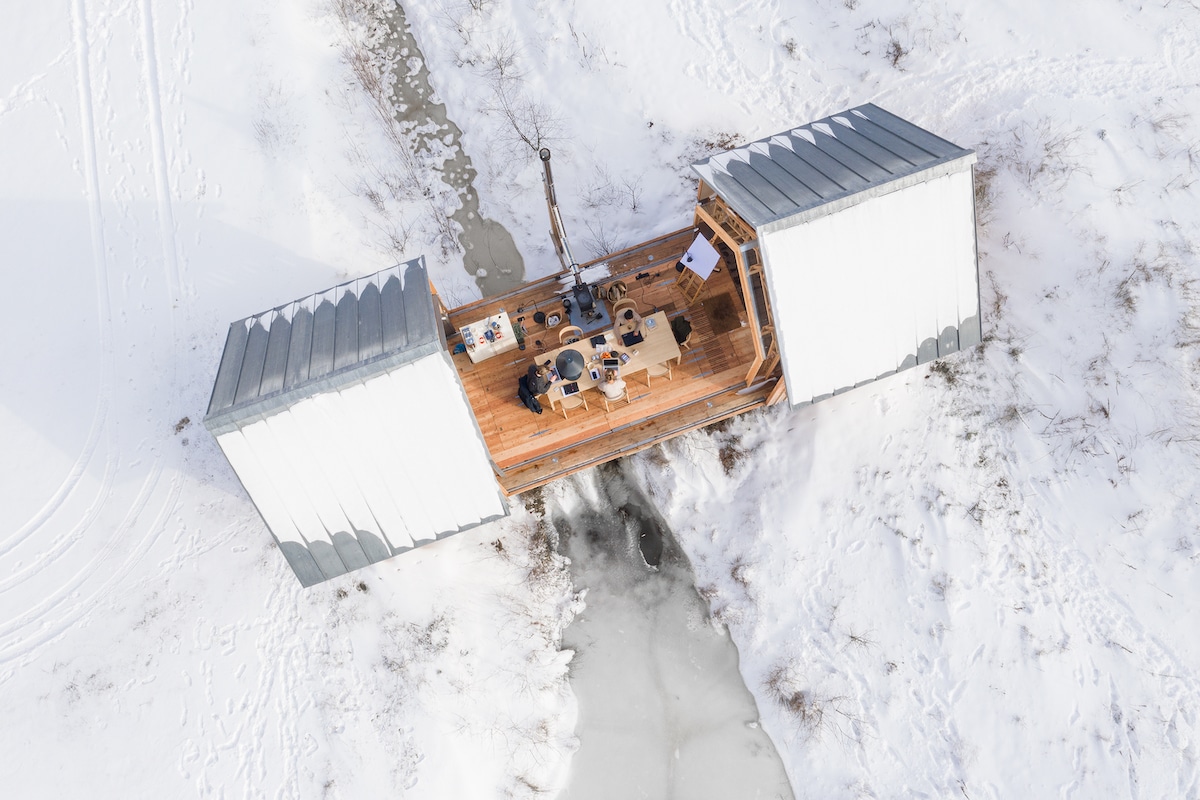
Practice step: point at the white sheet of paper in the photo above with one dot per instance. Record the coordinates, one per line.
(701, 257)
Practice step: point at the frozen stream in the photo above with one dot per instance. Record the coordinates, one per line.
(490, 255)
(663, 712)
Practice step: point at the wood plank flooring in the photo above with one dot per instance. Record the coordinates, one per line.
(529, 449)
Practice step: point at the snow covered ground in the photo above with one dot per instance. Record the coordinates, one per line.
(167, 169)
(976, 580)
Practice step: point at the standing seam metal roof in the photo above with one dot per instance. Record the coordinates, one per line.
(833, 158)
(352, 331)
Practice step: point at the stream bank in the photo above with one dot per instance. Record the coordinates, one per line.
(490, 255)
(663, 711)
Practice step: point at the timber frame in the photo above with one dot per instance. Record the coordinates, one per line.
(731, 367)
(714, 215)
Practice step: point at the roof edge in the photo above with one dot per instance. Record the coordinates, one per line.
(235, 417)
(936, 170)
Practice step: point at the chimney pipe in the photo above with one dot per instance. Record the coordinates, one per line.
(558, 233)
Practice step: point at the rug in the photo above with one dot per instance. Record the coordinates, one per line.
(722, 313)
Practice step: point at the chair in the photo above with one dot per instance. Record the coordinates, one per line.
(684, 346)
(623, 304)
(569, 334)
(567, 400)
(657, 371)
(609, 401)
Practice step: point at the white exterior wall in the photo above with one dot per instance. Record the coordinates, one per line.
(398, 455)
(854, 293)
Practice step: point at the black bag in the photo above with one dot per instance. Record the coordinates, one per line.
(528, 397)
(682, 329)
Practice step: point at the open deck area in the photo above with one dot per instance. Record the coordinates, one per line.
(708, 383)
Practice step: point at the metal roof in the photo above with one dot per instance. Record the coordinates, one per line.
(806, 171)
(350, 332)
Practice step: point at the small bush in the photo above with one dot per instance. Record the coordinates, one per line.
(809, 709)
(946, 370)
(535, 502)
(895, 53)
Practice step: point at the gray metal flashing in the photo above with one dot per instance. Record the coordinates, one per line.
(239, 416)
(820, 168)
(348, 333)
(843, 202)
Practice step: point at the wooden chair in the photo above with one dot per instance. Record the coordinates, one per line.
(569, 334)
(623, 304)
(684, 346)
(657, 371)
(568, 400)
(609, 401)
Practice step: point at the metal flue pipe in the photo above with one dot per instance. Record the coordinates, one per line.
(557, 232)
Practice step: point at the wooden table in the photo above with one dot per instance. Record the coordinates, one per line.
(478, 347)
(658, 346)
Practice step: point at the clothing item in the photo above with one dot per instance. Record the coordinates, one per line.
(538, 384)
(613, 390)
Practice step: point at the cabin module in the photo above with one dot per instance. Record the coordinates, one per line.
(369, 419)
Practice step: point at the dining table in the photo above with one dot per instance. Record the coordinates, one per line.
(658, 346)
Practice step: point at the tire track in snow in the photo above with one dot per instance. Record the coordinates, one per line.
(166, 215)
(100, 272)
(68, 602)
(69, 592)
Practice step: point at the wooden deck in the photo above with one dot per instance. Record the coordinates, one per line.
(708, 384)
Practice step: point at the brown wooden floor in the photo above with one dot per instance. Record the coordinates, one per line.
(529, 449)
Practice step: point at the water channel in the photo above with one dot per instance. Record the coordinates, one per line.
(490, 255)
(663, 711)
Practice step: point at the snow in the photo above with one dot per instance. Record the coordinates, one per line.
(974, 580)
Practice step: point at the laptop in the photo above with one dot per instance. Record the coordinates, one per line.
(611, 363)
(630, 339)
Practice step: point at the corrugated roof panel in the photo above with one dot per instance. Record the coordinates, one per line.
(345, 343)
(740, 197)
(370, 323)
(324, 322)
(797, 192)
(835, 158)
(277, 354)
(252, 363)
(852, 160)
(821, 160)
(418, 308)
(764, 191)
(391, 301)
(885, 157)
(911, 152)
(818, 182)
(299, 348)
(225, 386)
(936, 146)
